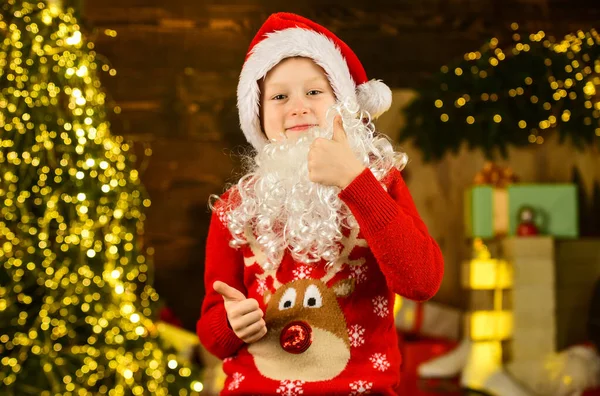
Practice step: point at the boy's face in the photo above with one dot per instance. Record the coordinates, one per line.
(295, 96)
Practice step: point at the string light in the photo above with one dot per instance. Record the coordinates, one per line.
(563, 75)
(76, 314)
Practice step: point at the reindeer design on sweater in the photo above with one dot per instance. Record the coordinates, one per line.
(307, 334)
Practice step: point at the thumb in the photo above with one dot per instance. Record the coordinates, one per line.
(339, 134)
(229, 293)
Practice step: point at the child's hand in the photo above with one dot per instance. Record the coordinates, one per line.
(244, 315)
(332, 162)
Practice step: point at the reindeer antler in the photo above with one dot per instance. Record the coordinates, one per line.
(259, 257)
(349, 243)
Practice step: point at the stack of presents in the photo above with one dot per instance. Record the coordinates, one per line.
(529, 285)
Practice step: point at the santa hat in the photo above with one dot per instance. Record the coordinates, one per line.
(285, 35)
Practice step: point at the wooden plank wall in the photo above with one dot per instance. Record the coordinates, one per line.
(177, 65)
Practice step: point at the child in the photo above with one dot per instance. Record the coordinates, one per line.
(305, 253)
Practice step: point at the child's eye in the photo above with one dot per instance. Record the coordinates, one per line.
(314, 92)
(278, 97)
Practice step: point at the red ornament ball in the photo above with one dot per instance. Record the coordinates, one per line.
(527, 229)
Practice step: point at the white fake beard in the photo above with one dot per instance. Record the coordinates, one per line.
(285, 210)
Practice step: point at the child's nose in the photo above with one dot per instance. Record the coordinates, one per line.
(300, 111)
(299, 107)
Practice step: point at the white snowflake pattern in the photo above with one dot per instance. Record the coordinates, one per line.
(262, 286)
(222, 214)
(360, 387)
(380, 306)
(380, 361)
(290, 388)
(356, 333)
(236, 380)
(302, 272)
(359, 273)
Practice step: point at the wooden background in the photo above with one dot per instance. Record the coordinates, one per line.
(177, 65)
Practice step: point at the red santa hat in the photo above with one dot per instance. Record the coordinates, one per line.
(285, 35)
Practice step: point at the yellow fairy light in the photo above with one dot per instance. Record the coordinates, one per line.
(75, 38)
(197, 386)
(82, 71)
(589, 89)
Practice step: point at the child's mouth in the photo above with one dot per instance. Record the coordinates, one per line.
(301, 127)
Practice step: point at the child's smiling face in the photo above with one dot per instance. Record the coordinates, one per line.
(295, 96)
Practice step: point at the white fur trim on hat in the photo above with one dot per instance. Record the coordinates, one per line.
(375, 97)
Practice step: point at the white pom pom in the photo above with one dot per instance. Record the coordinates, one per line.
(375, 97)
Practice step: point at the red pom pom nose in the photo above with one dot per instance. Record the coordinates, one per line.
(296, 337)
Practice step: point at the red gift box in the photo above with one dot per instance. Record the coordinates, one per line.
(420, 350)
(591, 392)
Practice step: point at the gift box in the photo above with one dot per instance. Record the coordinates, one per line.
(494, 211)
(556, 208)
(486, 212)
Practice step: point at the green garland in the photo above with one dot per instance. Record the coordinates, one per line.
(495, 97)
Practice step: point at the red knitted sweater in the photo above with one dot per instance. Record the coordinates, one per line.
(344, 317)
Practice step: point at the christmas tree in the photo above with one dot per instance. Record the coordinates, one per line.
(76, 307)
(511, 95)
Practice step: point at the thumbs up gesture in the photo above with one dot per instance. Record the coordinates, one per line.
(332, 162)
(244, 314)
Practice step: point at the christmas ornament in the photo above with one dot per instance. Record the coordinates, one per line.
(527, 225)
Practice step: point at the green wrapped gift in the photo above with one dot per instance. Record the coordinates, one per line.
(556, 207)
(486, 212)
(491, 212)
